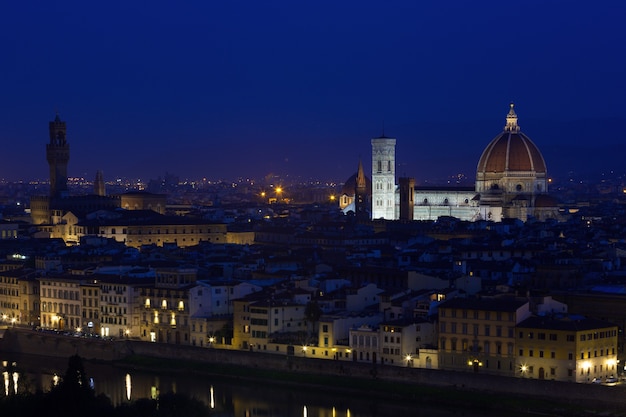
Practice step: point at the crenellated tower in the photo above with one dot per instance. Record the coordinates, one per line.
(58, 155)
(98, 184)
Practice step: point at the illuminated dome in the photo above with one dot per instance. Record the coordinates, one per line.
(512, 163)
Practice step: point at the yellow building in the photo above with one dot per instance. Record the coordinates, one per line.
(136, 228)
(19, 297)
(478, 335)
(566, 348)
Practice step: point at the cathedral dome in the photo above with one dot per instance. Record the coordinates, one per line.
(512, 162)
(349, 187)
(510, 151)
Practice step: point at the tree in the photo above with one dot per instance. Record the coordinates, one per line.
(312, 314)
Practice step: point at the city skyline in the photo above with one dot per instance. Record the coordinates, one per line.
(246, 89)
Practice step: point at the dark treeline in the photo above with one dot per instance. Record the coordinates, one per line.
(73, 397)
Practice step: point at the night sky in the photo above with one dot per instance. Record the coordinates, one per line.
(227, 89)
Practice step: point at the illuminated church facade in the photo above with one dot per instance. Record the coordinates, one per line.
(511, 182)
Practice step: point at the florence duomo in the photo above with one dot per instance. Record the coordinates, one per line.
(511, 182)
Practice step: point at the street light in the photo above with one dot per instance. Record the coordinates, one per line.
(408, 358)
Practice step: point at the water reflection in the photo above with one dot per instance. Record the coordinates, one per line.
(9, 375)
(128, 386)
(225, 398)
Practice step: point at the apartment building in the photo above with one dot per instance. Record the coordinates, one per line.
(61, 304)
(164, 307)
(19, 296)
(478, 334)
(566, 348)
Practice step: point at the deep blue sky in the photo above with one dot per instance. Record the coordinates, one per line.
(222, 89)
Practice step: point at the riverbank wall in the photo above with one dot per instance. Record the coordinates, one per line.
(584, 395)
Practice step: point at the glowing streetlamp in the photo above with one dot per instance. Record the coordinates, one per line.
(408, 358)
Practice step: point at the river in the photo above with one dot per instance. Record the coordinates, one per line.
(225, 398)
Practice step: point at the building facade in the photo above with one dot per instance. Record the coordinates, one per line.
(566, 348)
(478, 335)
